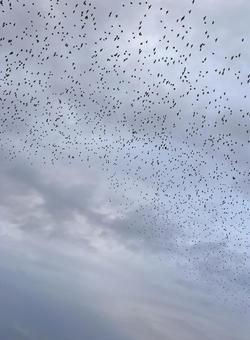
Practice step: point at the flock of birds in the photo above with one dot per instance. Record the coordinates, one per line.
(152, 96)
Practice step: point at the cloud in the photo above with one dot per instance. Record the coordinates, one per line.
(60, 293)
(178, 174)
(43, 203)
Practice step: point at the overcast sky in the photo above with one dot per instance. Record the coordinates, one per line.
(124, 216)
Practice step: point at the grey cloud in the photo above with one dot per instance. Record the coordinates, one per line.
(101, 296)
(42, 198)
(44, 203)
(203, 221)
(31, 312)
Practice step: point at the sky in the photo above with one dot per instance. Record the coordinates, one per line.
(124, 176)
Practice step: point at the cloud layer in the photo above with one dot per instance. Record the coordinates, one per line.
(134, 212)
